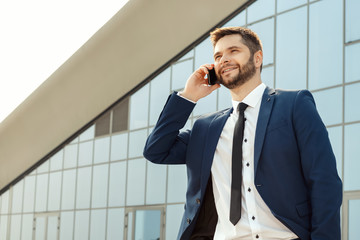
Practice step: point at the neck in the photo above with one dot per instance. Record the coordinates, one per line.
(240, 92)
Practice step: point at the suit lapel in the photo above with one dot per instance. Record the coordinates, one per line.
(263, 119)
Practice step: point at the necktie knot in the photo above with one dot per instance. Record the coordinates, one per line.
(241, 107)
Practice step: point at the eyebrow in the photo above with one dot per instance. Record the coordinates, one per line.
(229, 48)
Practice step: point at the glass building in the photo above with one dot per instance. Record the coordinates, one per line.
(99, 186)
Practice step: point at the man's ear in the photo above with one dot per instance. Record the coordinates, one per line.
(258, 58)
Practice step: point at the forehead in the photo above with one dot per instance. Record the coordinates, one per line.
(229, 41)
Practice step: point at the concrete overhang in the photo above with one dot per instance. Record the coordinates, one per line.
(133, 45)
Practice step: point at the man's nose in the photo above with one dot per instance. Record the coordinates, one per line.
(224, 59)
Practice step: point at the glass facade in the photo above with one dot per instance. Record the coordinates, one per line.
(99, 186)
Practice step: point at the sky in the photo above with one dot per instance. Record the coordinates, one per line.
(38, 36)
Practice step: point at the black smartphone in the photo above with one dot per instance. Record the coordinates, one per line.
(212, 77)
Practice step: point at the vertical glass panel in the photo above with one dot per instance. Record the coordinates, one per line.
(206, 105)
(147, 224)
(68, 190)
(335, 136)
(29, 194)
(3, 227)
(40, 224)
(352, 112)
(102, 150)
(15, 230)
(290, 60)
(85, 153)
(173, 219)
(352, 70)
(100, 186)
(224, 98)
(88, 134)
(115, 224)
(352, 19)
(176, 183)
(121, 116)
(139, 108)
(98, 224)
(54, 191)
(238, 20)
(283, 5)
(17, 198)
(136, 182)
(41, 192)
(27, 227)
(119, 146)
(189, 54)
(43, 168)
(66, 225)
(265, 30)
(52, 227)
(5, 203)
(325, 65)
(155, 183)
(137, 142)
(159, 91)
(70, 158)
(56, 161)
(117, 184)
(354, 219)
(260, 9)
(352, 153)
(83, 188)
(329, 105)
(180, 73)
(129, 225)
(81, 225)
(102, 125)
(203, 54)
(267, 76)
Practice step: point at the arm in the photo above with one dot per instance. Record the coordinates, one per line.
(319, 168)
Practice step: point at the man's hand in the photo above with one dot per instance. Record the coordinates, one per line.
(196, 86)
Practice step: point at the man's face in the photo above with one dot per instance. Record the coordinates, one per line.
(234, 64)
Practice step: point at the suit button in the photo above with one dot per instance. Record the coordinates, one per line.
(253, 218)
(188, 220)
(257, 236)
(198, 201)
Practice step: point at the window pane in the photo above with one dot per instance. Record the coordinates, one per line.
(203, 54)
(290, 60)
(147, 224)
(325, 65)
(68, 189)
(352, 19)
(56, 161)
(224, 99)
(81, 225)
(17, 197)
(117, 184)
(29, 194)
(43, 168)
(40, 228)
(5, 203)
(66, 225)
(335, 135)
(83, 188)
(352, 153)
(173, 219)
(160, 89)
(139, 108)
(100, 186)
(267, 76)
(119, 146)
(88, 134)
(115, 224)
(206, 105)
(156, 183)
(41, 192)
(136, 182)
(260, 9)
(354, 219)
(137, 142)
(329, 99)
(102, 125)
(180, 73)
(238, 20)
(352, 70)
(283, 5)
(3, 227)
(120, 116)
(27, 227)
(85, 153)
(352, 112)
(52, 227)
(54, 191)
(189, 54)
(98, 224)
(15, 230)
(176, 183)
(102, 150)
(70, 158)
(265, 30)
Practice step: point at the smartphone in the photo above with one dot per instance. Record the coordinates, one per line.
(212, 77)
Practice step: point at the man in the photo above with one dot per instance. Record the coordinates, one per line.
(261, 170)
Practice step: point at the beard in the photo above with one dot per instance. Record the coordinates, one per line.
(246, 72)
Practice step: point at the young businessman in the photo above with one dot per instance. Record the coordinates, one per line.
(263, 169)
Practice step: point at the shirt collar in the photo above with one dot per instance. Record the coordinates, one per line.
(252, 99)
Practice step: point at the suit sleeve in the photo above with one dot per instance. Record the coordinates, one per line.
(166, 144)
(319, 168)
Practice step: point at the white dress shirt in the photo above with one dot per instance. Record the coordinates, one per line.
(257, 221)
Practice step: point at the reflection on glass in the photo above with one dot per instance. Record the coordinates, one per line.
(180, 73)
(206, 104)
(117, 184)
(352, 19)
(136, 182)
(267, 76)
(260, 9)
(41, 192)
(354, 219)
(70, 158)
(98, 224)
(290, 60)
(329, 99)
(173, 220)
(83, 188)
(265, 30)
(335, 135)
(352, 70)
(147, 224)
(15, 230)
(99, 186)
(40, 224)
(115, 224)
(102, 150)
(26, 228)
(352, 112)
(17, 198)
(66, 225)
(56, 161)
(54, 191)
(85, 153)
(325, 66)
(156, 183)
(137, 142)
(177, 183)
(283, 5)
(68, 189)
(52, 230)
(139, 108)
(351, 161)
(238, 20)
(29, 194)
(81, 225)
(203, 54)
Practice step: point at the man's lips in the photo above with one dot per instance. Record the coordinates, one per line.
(228, 69)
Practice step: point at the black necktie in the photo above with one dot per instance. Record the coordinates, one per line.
(236, 174)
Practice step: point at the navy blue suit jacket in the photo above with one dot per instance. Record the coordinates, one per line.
(295, 168)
